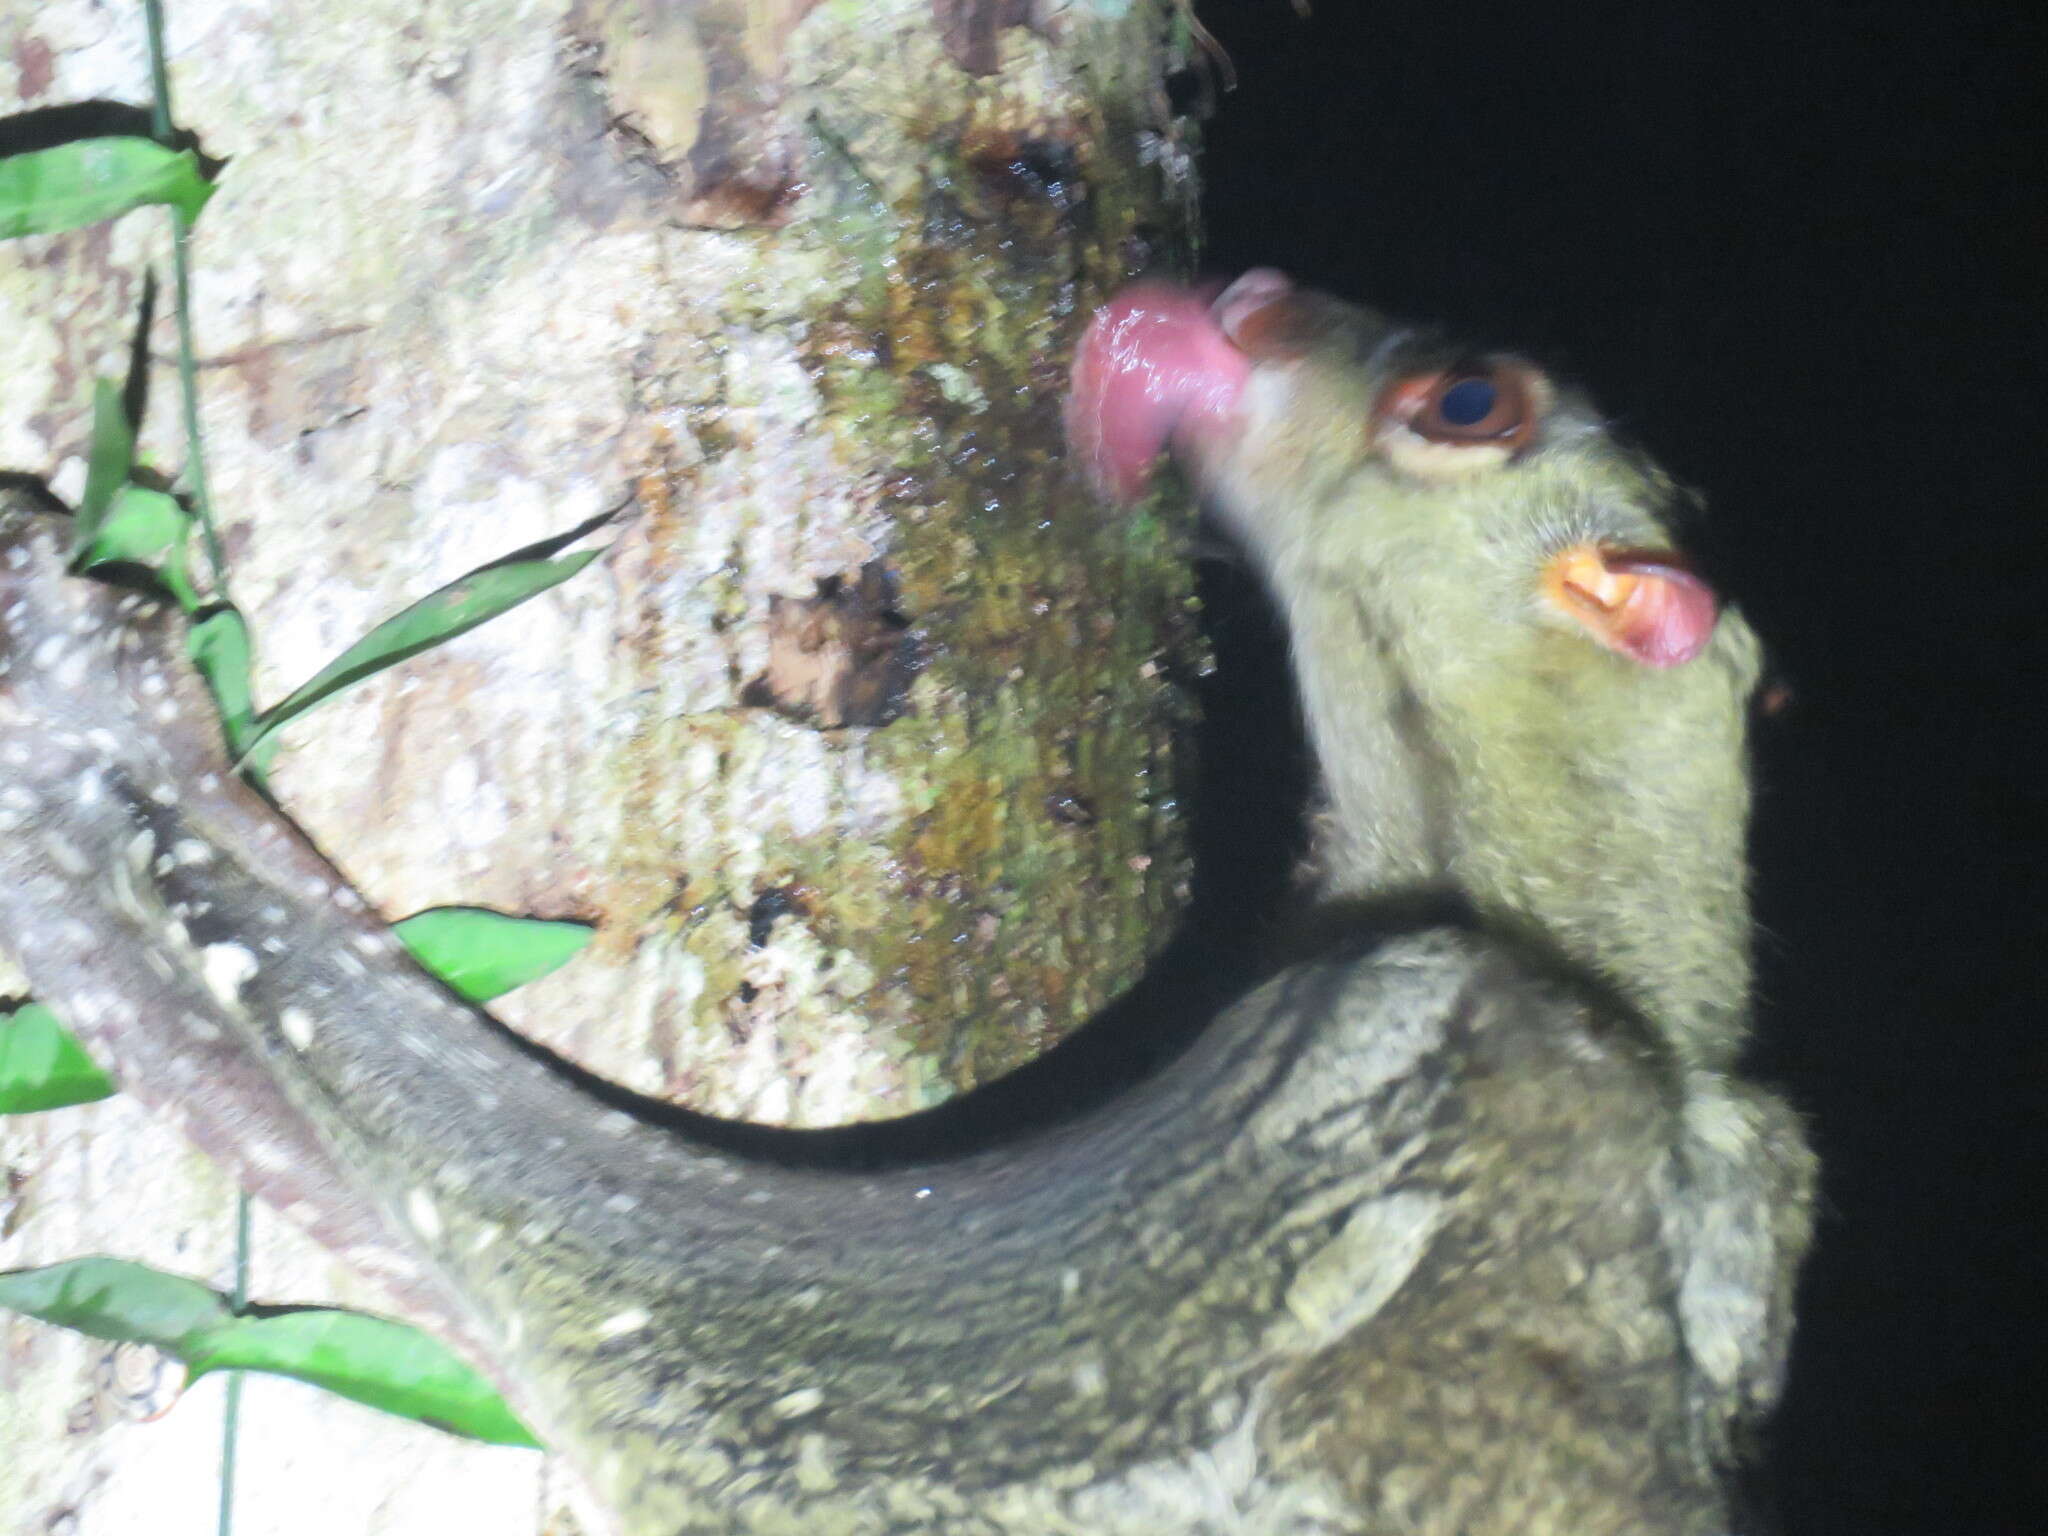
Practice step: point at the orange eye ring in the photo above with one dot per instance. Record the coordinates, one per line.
(1490, 402)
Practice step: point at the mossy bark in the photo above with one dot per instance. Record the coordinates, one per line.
(860, 745)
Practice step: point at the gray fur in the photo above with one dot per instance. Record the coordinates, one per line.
(1388, 1251)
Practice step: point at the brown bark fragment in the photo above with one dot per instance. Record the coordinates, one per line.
(699, 83)
(843, 657)
(33, 67)
(970, 29)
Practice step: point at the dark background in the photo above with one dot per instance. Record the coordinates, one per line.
(1795, 250)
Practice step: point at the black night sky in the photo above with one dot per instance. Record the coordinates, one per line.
(1796, 249)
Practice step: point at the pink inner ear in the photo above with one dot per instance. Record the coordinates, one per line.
(1669, 614)
(1152, 362)
(1250, 293)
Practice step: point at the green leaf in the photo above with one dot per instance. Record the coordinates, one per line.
(368, 1360)
(107, 466)
(219, 647)
(484, 954)
(145, 527)
(455, 609)
(115, 1299)
(69, 185)
(42, 1066)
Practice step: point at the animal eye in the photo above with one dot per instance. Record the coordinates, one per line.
(1468, 402)
(1497, 403)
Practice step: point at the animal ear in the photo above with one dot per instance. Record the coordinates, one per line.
(1648, 605)
(1265, 317)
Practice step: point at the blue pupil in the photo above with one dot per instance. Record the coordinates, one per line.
(1468, 402)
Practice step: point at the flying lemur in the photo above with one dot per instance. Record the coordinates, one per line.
(1456, 1230)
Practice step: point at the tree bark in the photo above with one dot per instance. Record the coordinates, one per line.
(858, 747)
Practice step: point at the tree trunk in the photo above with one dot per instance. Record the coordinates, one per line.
(859, 745)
